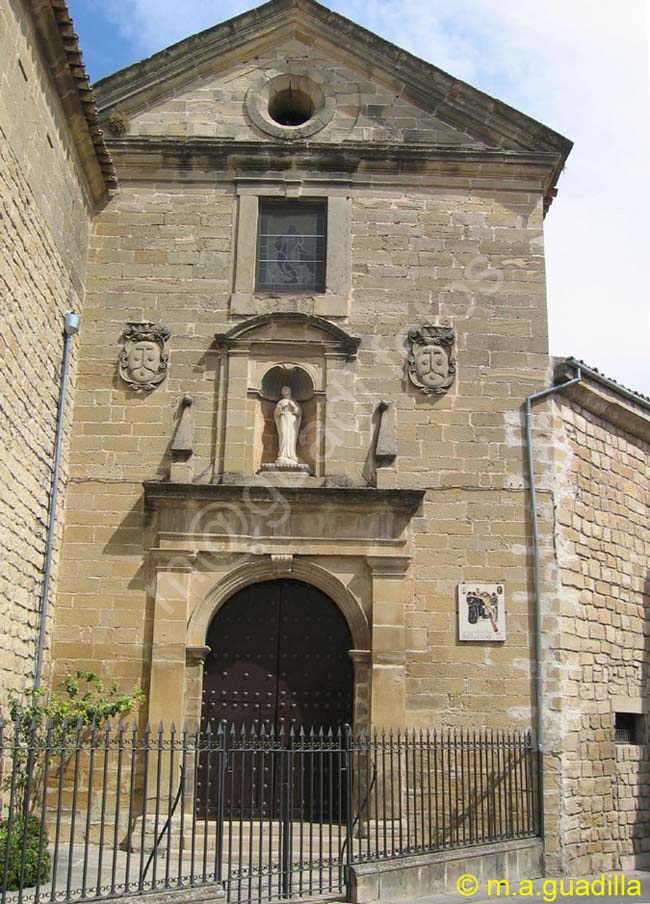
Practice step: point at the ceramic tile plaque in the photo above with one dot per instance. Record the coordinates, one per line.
(481, 612)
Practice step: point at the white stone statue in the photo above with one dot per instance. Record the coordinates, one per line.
(287, 416)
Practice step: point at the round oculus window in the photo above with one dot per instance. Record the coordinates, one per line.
(291, 105)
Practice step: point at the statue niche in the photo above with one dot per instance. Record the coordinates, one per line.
(287, 399)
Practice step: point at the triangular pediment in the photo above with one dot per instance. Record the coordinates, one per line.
(205, 86)
(230, 103)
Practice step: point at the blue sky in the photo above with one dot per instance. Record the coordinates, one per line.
(578, 66)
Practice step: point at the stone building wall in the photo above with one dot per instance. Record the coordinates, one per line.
(165, 253)
(598, 820)
(45, 218)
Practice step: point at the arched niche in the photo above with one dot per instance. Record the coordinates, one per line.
(301, 384)
(255, 356)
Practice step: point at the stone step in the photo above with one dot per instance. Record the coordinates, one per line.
(255, 836)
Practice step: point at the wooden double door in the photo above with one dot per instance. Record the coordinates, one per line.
(279, 658)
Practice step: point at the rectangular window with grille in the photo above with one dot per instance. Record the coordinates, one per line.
(627, 728)
(291, 246)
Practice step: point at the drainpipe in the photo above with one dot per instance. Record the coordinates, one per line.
(537, 592)
(70, 328)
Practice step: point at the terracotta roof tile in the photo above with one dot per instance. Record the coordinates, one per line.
(77, 68)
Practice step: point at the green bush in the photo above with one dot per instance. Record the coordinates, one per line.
(30, 872)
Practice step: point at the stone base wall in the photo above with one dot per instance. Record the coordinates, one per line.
(436, 874)
(631, 799)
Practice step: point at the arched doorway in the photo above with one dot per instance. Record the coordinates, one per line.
(278, 656)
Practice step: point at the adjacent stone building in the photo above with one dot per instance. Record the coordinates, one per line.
(596, 661)
(313, 313)
(54, 173)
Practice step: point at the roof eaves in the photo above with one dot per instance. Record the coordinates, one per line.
(48, 13)
(612, 384)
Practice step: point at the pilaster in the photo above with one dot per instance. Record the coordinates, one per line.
(391, 592)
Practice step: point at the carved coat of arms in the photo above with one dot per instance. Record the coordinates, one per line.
(143, 363)
(431, 366)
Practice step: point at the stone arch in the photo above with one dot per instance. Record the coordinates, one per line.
(270, 568)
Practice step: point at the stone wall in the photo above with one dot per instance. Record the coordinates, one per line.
(165, 253)
(44, 226)
(598, 810)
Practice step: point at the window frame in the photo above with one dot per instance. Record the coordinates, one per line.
(245, 301)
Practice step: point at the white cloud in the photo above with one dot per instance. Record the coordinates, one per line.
(583, 69)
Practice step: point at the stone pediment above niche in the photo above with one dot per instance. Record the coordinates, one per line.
(292, 331)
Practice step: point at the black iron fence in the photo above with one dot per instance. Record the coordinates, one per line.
(90, 813)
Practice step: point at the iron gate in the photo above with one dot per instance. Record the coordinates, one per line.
(116, 812)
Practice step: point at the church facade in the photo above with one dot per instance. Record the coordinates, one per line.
(408, 315)
(297, 486)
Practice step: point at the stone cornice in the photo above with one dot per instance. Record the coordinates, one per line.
(163, 494)
(198, 159)
(606, 399)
